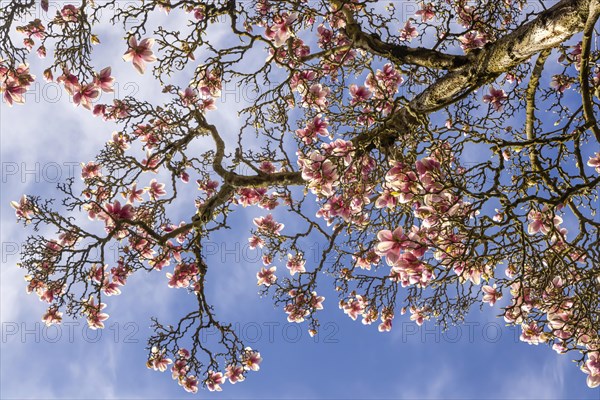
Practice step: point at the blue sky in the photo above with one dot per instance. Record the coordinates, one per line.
(41, 141)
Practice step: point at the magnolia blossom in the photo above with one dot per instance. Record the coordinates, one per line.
(85, 95)
(214, 381)
(156, 189)
(560, 83)
(104, 80)
(266, 276)
(532, 333)
(234, 373)
(472, 40)
(252, 359)
(95, 317)
(295, 264)
(491, 294)
(268, 225)
(409, 32)
(426, 12)
(496, 97)
(594, 162)
(52, 316)
(592, 368)
(281, 30)
(190, 384)
(140, 54)
(23, 209)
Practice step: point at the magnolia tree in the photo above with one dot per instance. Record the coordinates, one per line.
(366, 113)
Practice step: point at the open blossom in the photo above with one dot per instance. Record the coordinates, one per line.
(295, 264)
(472, 40)
(426, 12)
(315, 97)
(90, 170)
(491, 294)
(268, 225)
(23, 209)
(543, 221)
(158, 361)
(52, 316)
(118, 212)
(532, 333)
(281, 30)
(266, 276)
(104, 81)
(594, 162)
(354, 308)
(409, 32)
(419, 315)
(190, 384)
(234, 373)
(592, 368)
(359, 94)
(252, 359)
(140, 54)
(214, 381)
(156, 189)
(560, 83)
(390, 244)
(85, 95)
(496, 97)
(95, 317)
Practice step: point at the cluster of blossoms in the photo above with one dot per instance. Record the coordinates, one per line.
(14, 84)
(158, 361)
(302, 304)
(544, 221)
(422, 186)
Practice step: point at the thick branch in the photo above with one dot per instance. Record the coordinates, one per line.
(551, 28)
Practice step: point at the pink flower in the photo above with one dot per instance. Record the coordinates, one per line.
(85, 95)
(104, 81)
(190, 384)
(266, 276)
(419, 315)
(94, 317)
(13, 92)
(23, 209)
(52, 316)
(359, 94)
(158, 360)
(315, 97)
(155, 190)
(560, 83)
(295, 264)
(90, 170)
(390, 244)
(280, 31)
(472, 40)
(532, 334)
(592, 368)
(268, 225)
(117, 212)
(234, 373)
(214, 381)
(140, 54)
(495, 98)
(409, 32)
(252, 359)
(134, 194)
(491, 294)
(594, 162)
(426, 12)
(255, 242)
(354, 308)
